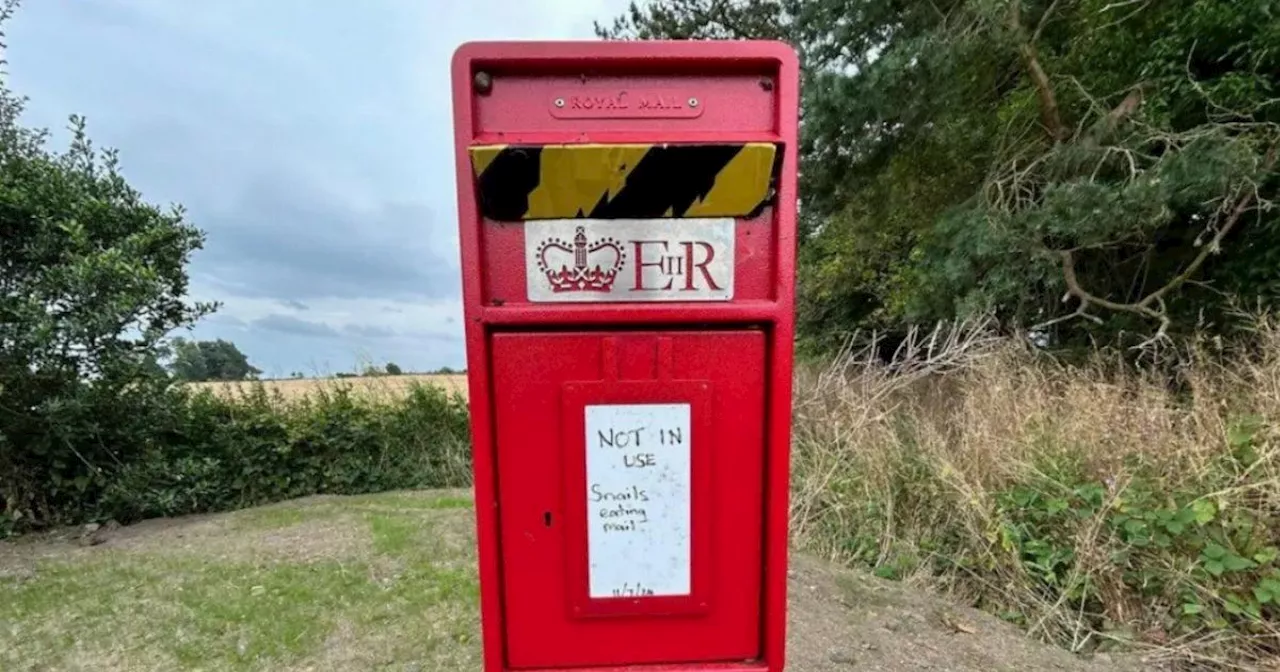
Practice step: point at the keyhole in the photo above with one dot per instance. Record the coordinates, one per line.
(546, 519)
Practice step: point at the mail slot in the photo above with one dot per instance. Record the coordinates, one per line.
(627, 228)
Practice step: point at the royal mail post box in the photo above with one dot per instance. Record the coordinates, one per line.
(627, 225)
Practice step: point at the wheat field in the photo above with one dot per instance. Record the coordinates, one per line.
(377, 386)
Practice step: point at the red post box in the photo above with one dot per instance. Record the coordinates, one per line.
(627, 215)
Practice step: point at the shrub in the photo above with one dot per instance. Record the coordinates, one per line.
(92, 279)
(207, 453)
(1095, 505)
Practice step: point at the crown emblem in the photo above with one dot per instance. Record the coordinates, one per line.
(580, 266)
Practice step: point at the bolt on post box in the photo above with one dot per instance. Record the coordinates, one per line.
(627, 219)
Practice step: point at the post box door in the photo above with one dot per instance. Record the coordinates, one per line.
(630, 479)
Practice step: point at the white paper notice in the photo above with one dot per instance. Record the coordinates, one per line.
(638, 487)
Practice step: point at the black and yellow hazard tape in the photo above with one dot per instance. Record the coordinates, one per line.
(623, 180)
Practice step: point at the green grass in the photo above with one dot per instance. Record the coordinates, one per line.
(392, 535)
(399, 589)
(274, 517)
(411, 500)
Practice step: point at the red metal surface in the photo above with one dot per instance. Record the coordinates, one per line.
(514, 378)
(505, 283)
(702, 667)
(737, 103)
(529, 371)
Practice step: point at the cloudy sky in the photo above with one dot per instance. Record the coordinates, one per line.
(310, 139)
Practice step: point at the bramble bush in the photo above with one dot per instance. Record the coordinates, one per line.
(1097, 505)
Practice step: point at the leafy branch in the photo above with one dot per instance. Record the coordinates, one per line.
(1152, 305)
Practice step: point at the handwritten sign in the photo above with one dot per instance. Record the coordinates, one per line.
(638, 493)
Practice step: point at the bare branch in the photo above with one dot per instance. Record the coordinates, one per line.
(1153, 306)
(1214, 246)
(1143, 4)
(1082, 311)
(1125, 109)
(1075, 289)
(1050, 116)
(1161, 335)
(1044, 20)
(1117, 5)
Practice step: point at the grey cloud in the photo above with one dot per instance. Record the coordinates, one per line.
(225, 319)
(351, 175)
(292, 242)
(434, 336)
(372, 331)
(368, 331)
(287, 324)
(292, 234)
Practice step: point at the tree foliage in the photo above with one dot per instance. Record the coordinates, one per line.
(209, 360)
(92, 278)
(1104, 169)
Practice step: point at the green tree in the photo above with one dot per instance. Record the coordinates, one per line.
(1004, 155)
(92, 278)
(393, 369)
(210, 360)
(188, 361)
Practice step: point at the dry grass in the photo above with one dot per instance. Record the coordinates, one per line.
(1090, 504)
(369, 386)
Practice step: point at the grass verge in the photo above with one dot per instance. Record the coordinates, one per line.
(316, 584)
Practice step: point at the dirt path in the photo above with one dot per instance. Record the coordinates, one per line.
(387, 582)
(847, 621)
